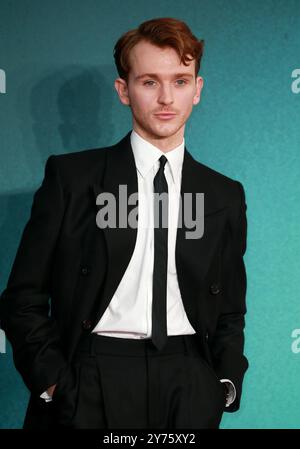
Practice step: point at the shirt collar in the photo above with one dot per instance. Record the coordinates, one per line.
(146, 155)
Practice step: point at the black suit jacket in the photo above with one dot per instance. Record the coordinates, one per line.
(65, 257)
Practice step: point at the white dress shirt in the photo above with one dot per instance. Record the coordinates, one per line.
(128, 314)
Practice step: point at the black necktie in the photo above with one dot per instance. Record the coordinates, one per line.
(159, 299)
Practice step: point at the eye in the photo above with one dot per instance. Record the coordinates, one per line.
(181, 83)
(148, 83)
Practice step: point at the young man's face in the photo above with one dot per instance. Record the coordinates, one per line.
(158, 84)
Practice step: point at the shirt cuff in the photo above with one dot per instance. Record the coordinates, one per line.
(46, 396)
(231, 391)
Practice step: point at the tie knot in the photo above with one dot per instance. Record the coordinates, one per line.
(162, 161)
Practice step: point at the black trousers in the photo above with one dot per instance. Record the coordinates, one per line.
(118, 383)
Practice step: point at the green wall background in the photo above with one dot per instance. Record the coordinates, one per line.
(57, 56)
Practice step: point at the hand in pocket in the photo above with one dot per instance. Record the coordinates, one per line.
(64, 396)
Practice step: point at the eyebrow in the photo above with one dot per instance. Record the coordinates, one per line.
(154, 75)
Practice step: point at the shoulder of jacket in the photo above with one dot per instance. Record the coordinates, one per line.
(219, 181)
(79, 167)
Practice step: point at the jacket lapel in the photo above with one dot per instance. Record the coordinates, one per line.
(193, 256)
(120, 242)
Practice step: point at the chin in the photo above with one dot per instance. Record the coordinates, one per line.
(165, 132)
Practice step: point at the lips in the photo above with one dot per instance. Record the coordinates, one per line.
(165, 115)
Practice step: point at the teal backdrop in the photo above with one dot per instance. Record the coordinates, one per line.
(57, 96)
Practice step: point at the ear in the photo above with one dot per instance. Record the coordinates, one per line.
(122, 89)
(199, 86)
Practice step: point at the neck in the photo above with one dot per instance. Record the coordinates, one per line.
(165, 144)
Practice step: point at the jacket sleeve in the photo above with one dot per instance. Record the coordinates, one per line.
(227, 345)
(24, 304)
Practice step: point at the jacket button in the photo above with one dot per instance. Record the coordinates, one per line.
(85, 271)
(86, 324)
(214, 289)
(206, 336)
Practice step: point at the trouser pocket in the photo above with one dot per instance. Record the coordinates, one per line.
(65, 395)
(219, 386)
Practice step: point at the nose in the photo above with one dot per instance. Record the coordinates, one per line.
(165, 95)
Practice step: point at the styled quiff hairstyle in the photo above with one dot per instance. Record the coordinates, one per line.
(163, 32)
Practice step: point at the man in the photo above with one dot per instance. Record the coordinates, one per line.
(147, 322)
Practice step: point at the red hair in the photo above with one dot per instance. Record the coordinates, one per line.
(163, 32)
